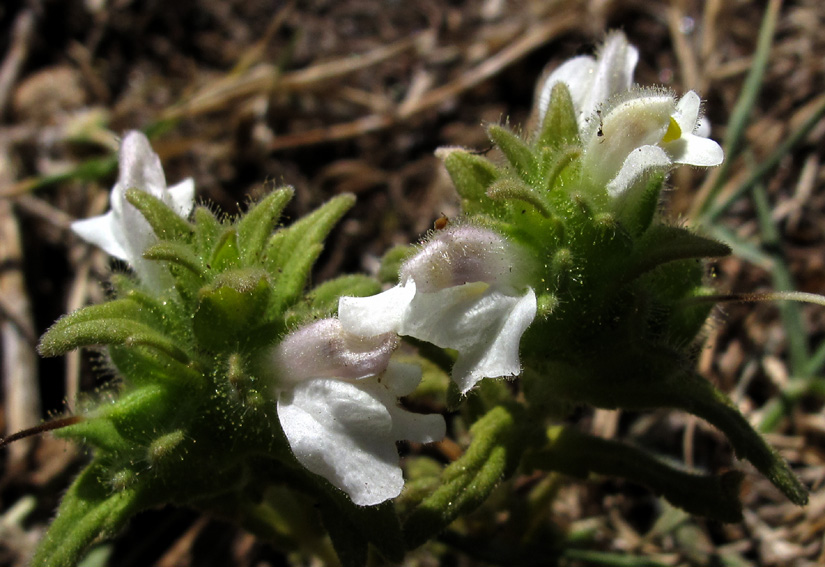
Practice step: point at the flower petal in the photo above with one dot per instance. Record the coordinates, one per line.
(446, 317)
(483, 324)
(687, 112)
(464, 254)
(695, 150)
(123, 232)
(500, 356)
(378, 314)
(638, 165)
(640, 119)
(182, 197)
(592, 82)
(417, 427)
(103, 232)
(399, 380)
(324, 349)
(617, 60)
(139, 166)
(345, 435)
(577, 73)
(702, 128)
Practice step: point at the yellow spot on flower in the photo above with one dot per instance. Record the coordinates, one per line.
(674, 131)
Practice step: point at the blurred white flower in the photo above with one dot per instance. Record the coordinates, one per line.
(464, 290)
(338, 407)
(592, 81)
(123, 232)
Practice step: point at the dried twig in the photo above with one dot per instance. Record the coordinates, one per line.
(684, 52)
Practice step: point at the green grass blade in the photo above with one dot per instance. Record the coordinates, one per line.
(782, 281)
(747, 99)
(759, 173)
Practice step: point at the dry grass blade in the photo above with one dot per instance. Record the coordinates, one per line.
(676, 21)
(528, 40)
(20, 385)
(267, 78)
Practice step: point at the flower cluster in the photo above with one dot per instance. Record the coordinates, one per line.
(338, 389)
(468, 288)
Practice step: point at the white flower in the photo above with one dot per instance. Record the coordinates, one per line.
(338, 407)
(641, 131)
(123, 232)
(464, 290)
(628, 133)
(593, 81)
(686, 139)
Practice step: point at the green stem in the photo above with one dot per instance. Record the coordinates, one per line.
(572, 452)
(661, 380)
(498, 443)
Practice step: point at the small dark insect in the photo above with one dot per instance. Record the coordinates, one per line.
(441, 222)
(600, 131)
